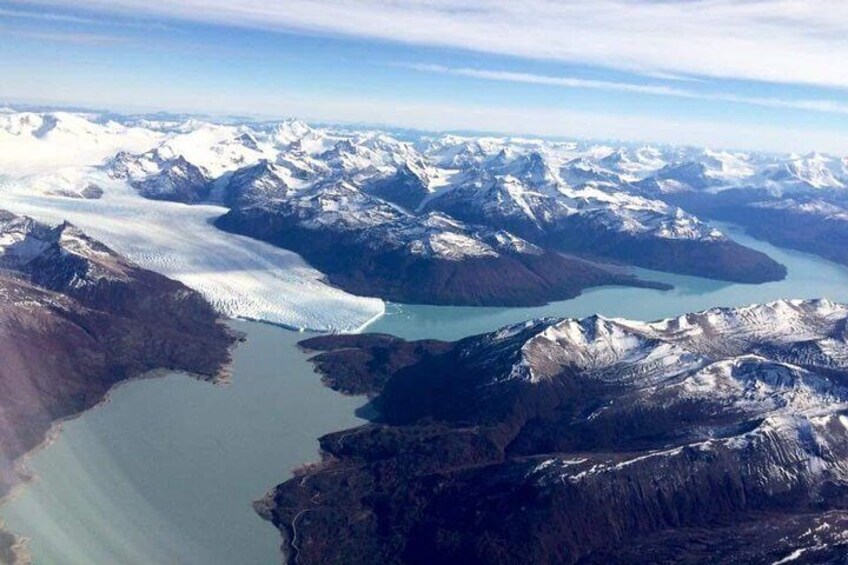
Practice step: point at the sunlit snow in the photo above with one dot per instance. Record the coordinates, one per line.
(242, 277)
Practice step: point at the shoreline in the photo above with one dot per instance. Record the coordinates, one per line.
(16, 545)
(303, 329)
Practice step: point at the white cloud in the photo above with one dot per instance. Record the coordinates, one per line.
(815, 105)
(567, 82)
(52, 17)
(785, 41)
(64, 37)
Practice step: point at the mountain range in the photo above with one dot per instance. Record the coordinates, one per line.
(716, 436)
(552, 217)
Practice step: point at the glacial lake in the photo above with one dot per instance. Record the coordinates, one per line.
(808, 277)
(166, 470)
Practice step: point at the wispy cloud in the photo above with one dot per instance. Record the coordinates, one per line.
(814, 105)
(47, 16)
(76, 21)
(65, 37)
(529, 78)
(784, 41)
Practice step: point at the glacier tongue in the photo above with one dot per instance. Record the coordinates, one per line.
(242, 277)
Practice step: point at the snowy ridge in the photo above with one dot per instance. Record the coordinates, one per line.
(678, 345)
(773, 367)
(449, 196)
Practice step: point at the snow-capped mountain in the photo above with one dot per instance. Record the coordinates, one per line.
(582, 171)
(369, 245)
(160, 176)
(813, 171)
(686, 344)
(795, 202)
(597, 218)
(262, 182)
(34, 142)
(512, 189)
(723, 170)
(634, 204)
(705, 437)
(634, 163)
(61, 258)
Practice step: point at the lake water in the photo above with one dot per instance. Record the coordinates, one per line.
(166, 471)
(808, 277)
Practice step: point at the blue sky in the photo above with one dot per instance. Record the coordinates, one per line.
(764, 74)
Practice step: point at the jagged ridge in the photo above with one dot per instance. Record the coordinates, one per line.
(576, 440)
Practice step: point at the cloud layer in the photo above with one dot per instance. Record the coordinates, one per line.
(783, 41)
(814, 105)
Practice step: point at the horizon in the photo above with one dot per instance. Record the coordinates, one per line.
(398, 132)
(753, 75)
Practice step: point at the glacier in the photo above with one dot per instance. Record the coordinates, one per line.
(240, 276)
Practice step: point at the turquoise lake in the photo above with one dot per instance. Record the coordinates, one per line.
(808, 277)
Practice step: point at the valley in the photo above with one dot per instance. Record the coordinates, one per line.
(440, 237)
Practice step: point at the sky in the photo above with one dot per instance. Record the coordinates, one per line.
(761, 74)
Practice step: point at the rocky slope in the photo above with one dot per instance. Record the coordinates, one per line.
(612, 226)
(715, 436)
(799, 203)
(542, 193)
(76, 319)
(370, 247)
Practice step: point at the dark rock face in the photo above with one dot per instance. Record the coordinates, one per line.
(714, 437)
(815, 224)
(176, 179)
(76, 319)
(404, 188)
(382, 260)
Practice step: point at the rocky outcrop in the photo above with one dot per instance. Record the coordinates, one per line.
(614, 227)
(371, 248)
(703, 438)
